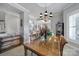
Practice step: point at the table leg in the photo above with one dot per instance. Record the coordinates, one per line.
(25, 51)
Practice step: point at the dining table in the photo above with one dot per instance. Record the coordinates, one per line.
(53, 47)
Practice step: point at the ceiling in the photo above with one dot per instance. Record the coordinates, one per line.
(36, 8)
(6, 6)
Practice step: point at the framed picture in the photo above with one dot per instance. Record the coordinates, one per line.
(60, 28)
(2, 26)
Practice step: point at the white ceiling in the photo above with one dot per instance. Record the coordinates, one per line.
(6, 6)
(36, 8)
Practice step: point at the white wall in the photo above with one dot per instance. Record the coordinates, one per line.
(12, 22)
(69, 11)
(24, 16)
(2, 15)
(57, 17)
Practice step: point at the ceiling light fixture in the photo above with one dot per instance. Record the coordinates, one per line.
(45, 14)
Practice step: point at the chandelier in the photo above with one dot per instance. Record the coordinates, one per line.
(46, 13)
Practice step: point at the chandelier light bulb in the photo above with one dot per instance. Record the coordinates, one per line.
(46, 13)
(50, 14)
(41, 15)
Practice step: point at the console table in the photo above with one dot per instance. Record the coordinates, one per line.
(9, 42)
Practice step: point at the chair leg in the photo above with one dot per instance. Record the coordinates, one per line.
(31, 53)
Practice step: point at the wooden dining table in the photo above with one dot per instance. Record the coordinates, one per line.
(45, 48)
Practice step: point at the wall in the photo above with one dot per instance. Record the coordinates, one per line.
(57, 17)
(12, 23)
(2, 15)
(24, 16)
(66, 13)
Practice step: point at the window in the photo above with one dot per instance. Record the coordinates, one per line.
(74, 27)
(2, 26)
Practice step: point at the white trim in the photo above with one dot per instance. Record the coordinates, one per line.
(5, 11)
(18, 6)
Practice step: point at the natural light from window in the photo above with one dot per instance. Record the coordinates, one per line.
(74, 27)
